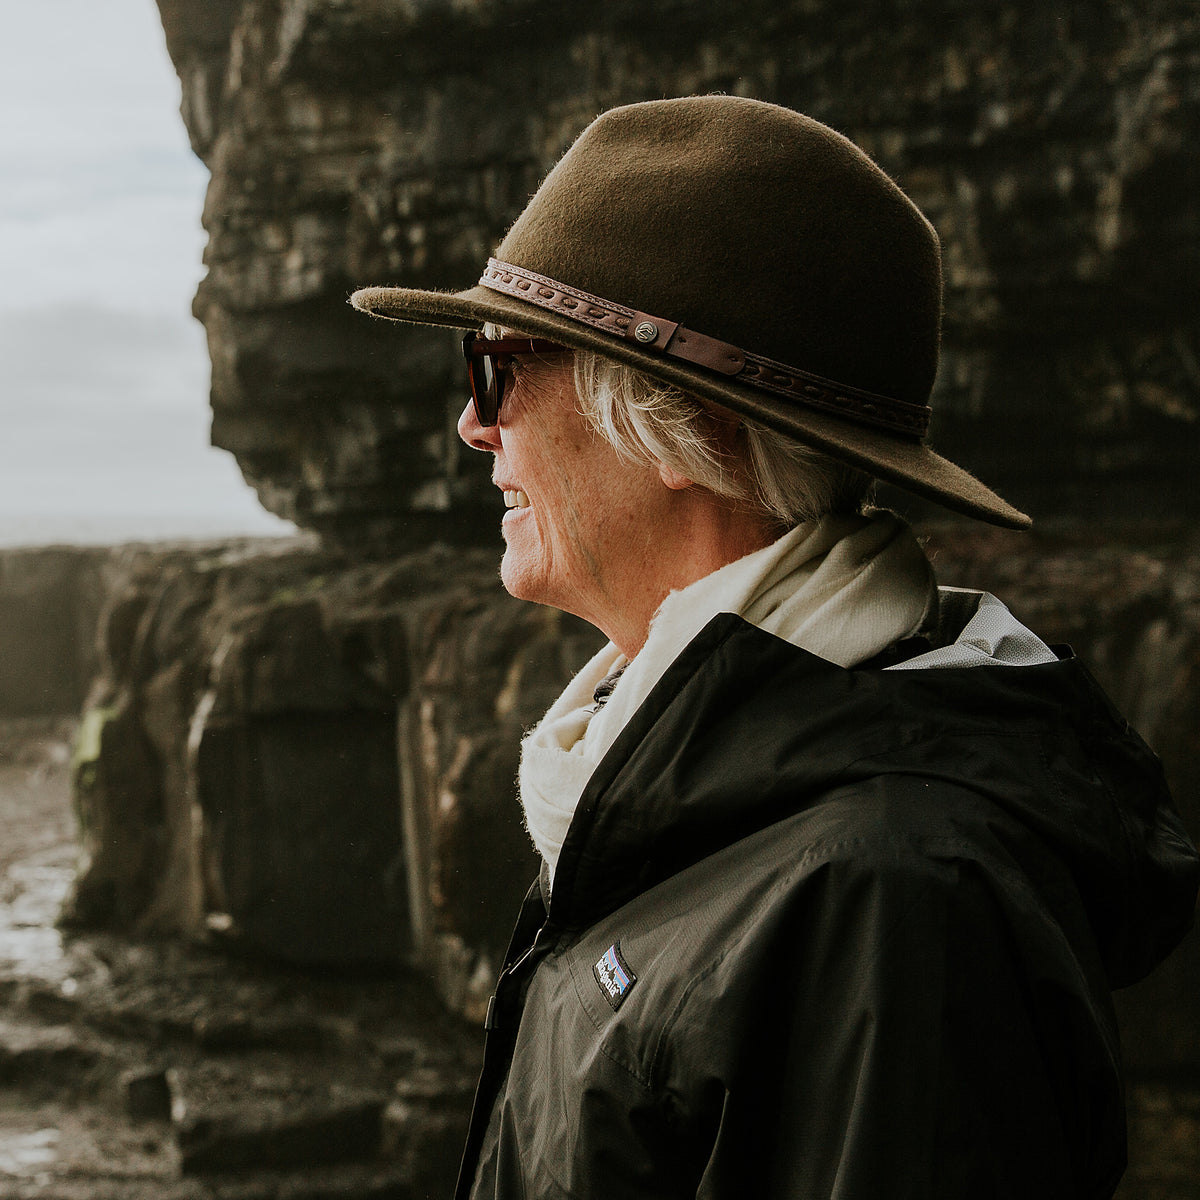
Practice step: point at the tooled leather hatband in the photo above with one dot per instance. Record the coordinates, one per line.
(673, 340)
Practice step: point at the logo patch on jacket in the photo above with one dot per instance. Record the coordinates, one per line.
(614, 976)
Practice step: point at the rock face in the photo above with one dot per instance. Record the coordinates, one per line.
(312, 758)
(159, 1070)
(381, 141)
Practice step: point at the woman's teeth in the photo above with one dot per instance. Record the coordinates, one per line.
(516, 500)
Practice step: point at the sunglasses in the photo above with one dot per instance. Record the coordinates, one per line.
(487, 373)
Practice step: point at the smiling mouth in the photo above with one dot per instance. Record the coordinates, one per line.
(515, 499)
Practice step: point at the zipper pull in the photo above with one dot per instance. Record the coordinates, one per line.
(489, 1021)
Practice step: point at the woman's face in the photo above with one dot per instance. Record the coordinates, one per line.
(581, 522)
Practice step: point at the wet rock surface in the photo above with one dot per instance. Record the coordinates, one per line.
(151, 1070)
(132, 1070)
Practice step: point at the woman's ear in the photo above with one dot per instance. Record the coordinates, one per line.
(720, 427)
(673, 479)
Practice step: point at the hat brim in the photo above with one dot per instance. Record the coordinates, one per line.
(909, 464)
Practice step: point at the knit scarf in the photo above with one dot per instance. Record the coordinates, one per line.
(843, 588)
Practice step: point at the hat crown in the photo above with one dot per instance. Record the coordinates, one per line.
(752, 257)
(750, 223)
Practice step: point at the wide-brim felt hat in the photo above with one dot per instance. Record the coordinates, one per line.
(747, 254)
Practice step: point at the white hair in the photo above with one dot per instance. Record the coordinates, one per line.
(646, 420)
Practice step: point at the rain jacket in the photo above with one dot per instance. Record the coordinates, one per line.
(819, 932)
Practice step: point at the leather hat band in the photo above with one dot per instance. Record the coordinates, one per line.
(673, 340)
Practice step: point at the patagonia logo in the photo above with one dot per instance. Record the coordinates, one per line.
(614, 976)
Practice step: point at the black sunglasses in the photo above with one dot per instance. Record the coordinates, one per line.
(487, 375)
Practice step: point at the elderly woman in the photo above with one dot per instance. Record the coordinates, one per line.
(840, 868)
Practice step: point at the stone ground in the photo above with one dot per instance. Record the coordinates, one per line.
(136, 1071)
(166, 1072)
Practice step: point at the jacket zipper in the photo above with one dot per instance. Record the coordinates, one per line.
(499, 1042)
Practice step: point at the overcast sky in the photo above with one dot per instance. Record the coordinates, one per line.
(103, 371)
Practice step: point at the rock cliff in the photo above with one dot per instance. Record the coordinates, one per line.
(370, 141)
(1054, 145)
(306, 752)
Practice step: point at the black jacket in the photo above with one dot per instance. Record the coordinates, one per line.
(836, 933)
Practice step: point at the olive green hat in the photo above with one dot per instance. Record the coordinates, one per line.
(748, 255)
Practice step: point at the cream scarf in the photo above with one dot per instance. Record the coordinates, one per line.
(843, 588)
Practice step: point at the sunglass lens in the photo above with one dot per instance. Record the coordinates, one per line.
(487, 390)
(486, 383)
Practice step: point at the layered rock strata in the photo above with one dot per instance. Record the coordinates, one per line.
(1055, 147)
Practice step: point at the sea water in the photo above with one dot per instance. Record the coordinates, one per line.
(105, 529)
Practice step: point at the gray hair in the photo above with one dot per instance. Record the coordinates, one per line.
(646, 420)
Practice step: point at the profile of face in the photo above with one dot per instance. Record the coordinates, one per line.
(581, 523)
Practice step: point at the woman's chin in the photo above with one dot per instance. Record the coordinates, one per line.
(521, 578)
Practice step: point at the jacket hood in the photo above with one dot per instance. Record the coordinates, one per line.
(744, 730)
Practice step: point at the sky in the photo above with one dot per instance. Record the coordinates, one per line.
(103, 371)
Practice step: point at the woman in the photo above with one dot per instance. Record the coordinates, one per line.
(839, 869)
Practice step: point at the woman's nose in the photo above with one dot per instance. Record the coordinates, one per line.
(478, 437)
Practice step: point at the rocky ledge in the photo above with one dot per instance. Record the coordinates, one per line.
(168, 1070)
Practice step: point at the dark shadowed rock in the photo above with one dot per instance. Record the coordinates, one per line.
(45, 1057)
(1053, 146)
(349, 1131)
(119, 804)
(147, 1094)
(311, 757)
(304, 837)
